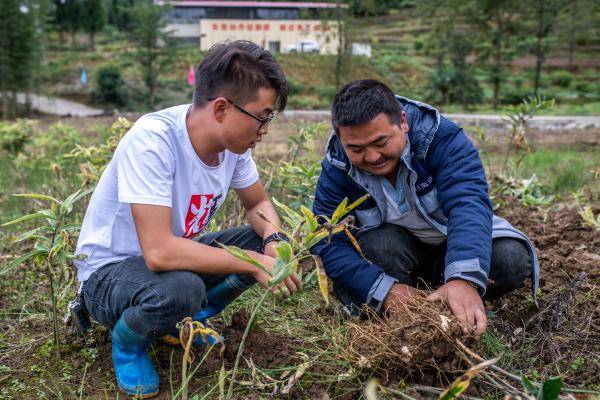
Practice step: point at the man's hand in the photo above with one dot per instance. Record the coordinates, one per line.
(398, 294)
(289, 284)
(465, 303)
(271, 249)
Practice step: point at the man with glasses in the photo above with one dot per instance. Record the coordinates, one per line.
(147, 264)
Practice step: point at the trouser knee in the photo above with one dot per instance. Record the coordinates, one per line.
(179, 294)
(393, 248)
(510, 265)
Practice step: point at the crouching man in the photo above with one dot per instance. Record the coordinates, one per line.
(428, 219)
(147, 267)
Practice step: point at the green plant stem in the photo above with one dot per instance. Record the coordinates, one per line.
(52, 293)
(54, 318)
(241, 346)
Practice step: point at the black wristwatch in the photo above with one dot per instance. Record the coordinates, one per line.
(275, 237)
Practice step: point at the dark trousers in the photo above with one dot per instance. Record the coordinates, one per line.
(400, 254)
(153, 302)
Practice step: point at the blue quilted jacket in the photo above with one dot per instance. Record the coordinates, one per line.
(448, 186)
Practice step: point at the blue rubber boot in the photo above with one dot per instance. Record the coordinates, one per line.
(135, 374)
(218, 297)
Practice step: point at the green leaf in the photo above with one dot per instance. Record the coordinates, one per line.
(67, 204)
(24, 218)
(356, 203)
(83, 194)
(38, 196)
(311, 220)
(551, 389)
(280, 272)
(294, 219)
(42, 247)
(222, 377)
(284, 251)
(32, 234)
(339, 211)
(314, 238)
(528, 386)
(242, 255)
(48, 214)
(8, 267)
(71, 227)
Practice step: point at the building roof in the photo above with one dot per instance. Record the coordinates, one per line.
(244, 4)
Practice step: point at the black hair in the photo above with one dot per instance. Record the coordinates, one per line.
(237, 70)
(360, 101)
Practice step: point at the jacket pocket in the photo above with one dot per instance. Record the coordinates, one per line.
(368, 218)
(429, 202)
(431, 205)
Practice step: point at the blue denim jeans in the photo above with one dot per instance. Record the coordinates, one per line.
(153, 302)
(400, 254)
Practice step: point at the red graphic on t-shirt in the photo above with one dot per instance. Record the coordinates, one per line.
(198, 214)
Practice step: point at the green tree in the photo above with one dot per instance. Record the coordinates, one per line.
(153, 45)
(452, 41)
(60, 18)
(497, 25)
(72, 16)
(119, 13)
(93, 18)
(18, 52)
(543, 19)
(577, 24)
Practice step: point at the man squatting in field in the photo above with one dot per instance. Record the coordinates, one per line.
(146, 267)
(428, 218)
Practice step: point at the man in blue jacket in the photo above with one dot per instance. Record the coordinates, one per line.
(428, 219)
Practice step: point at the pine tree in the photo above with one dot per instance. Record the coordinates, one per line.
(93, 18)
(153, 45)
(18, 47)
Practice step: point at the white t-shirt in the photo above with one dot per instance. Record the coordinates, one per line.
(156, 164)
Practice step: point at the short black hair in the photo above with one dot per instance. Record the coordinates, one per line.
(237, 70)
(360, 101)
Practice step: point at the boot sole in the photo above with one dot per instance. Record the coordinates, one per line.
(140, 396)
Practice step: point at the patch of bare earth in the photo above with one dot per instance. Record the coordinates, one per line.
(563, 335)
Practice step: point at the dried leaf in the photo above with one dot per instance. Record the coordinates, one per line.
(462, 382)
(322, 278)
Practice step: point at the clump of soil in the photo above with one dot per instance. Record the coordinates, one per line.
(266, 349)
(419, 340)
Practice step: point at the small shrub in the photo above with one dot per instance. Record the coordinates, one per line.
(583, 87)
(14, 136)
(295, 86)
(449, 85)
(327, 92)
(110, 85)
(561, 78)
(514, 96)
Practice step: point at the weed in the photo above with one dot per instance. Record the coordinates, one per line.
(521, 114)
(52, 247)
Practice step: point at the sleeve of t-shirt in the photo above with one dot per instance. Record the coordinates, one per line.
(145, 170)
(245, 173)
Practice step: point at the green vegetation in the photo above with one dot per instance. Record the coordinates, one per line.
(459, 55)
(58, 160)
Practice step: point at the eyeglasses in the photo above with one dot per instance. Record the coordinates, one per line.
(263, 122)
